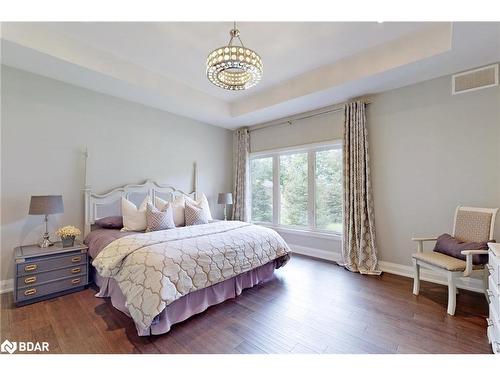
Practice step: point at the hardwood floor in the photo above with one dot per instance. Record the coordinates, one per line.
(310, 306)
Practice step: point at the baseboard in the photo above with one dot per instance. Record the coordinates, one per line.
(316, 253)
(468, 283)
(6, 286)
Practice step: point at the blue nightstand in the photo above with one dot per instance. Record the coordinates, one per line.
(43, 273)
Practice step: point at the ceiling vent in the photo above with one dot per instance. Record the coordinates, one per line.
(474, 79)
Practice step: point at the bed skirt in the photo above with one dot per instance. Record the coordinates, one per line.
(192, 303)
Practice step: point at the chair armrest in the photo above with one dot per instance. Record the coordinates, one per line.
(424, 239)
(472, 252)
(420, 242)
(468, 259)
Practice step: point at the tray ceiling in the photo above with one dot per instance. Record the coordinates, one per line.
(306, 65)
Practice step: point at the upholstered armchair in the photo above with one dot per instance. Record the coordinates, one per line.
(472, 224)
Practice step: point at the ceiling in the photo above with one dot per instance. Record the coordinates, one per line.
(306, 65)
(179, 50)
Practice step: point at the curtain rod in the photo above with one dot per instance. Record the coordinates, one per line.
(292, 119)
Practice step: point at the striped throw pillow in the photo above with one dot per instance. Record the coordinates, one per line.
(159, 220)
(195, 215)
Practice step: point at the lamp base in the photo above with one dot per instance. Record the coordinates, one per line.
(45, 242)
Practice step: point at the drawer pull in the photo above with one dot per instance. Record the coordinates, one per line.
(490, 268)
(75, 281)
(75, 270)
(76, 259)
(30, 267)
(30, 280)
(30, 292)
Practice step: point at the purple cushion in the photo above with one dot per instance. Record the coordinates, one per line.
(110, 222)
(449, 245)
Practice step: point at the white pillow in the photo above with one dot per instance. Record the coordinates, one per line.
(134, 219)
(195, 215)
(202, 202)
(179, 204)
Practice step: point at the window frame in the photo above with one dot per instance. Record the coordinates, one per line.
(275, 154)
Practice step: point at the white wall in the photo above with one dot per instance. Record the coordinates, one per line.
(47, 123)
(430, 151)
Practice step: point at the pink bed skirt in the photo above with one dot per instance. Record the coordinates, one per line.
(192, 303)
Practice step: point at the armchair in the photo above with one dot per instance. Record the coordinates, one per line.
(471, 224)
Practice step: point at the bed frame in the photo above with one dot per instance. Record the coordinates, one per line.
(109, 203)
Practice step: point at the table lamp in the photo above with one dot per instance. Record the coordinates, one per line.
(225, 199)
(46, 205)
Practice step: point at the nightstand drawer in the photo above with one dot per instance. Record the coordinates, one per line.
(52, 287)
(493, 267)
(43, 277)
(53, 263)
(493, 295)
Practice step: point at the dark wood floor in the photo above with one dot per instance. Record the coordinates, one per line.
(310, 307)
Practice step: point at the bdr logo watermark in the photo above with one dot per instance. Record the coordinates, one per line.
(24, 346)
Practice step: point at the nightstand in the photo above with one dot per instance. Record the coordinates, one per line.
(46, 273)
(493, 292)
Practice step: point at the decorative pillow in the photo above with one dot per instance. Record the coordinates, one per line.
(178, 206)
(449, 245)
(110, 222)
(195, 215)
(202, 202)
(159, 220)
(134, 219)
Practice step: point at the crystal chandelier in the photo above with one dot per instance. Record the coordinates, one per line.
(234, 67)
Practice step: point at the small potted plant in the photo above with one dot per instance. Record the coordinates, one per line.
(68, 235)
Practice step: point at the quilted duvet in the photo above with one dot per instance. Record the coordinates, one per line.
(156, 268)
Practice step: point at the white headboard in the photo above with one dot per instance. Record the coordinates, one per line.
(109, 203)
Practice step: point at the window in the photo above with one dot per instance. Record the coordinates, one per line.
(298, 188)
(293, 189)
(328, 181)
(261, 177)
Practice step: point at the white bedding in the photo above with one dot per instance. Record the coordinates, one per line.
(154, 269)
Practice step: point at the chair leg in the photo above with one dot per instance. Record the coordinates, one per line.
(452, 294)
(416, 278)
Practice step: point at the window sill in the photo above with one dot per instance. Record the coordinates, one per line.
(304, 232)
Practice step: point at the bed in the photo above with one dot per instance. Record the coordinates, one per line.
(164, 277)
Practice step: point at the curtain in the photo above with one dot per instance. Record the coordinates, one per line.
(359, 250)
(240, 188)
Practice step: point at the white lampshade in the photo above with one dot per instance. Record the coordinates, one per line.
(225, 198)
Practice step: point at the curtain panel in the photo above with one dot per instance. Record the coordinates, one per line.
(240, 173)
(359, 249)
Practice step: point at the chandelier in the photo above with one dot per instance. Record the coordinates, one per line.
(234, 67)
